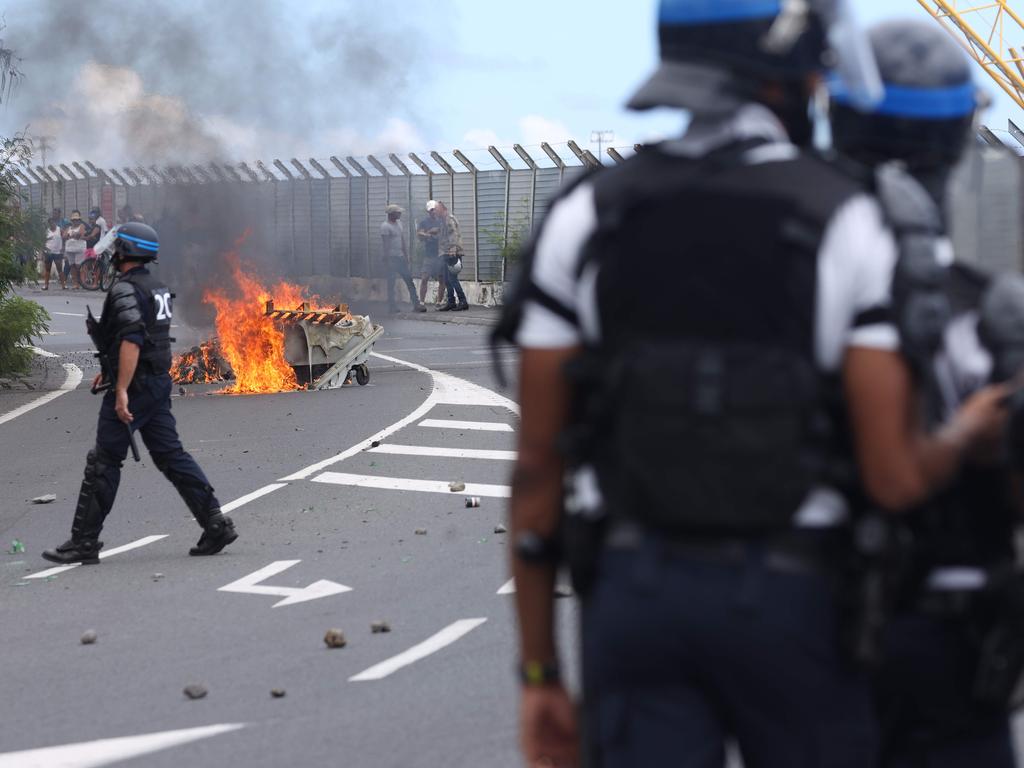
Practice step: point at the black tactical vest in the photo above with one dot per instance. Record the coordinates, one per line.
(712, 410)
(156, 305)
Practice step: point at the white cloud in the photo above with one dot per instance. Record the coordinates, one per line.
(532, 130)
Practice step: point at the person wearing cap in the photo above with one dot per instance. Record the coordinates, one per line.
(684, 458)
(429, 233)
(396, 258)
(945, 685)
(450, 246)
(74, 245)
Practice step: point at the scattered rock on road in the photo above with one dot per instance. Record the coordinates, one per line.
(456, 486)
(378, 627)
(421, 531)
(48, 498)
(277, 693)
(157, 576)
(89, 637)
(499, 528)
(335, 638)
(195, 691)
(376, 443)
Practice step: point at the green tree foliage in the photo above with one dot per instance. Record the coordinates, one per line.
(21, 233)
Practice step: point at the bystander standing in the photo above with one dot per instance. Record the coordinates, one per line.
(451, 250)
(52, 255)
(429, 233)
(396, 258)
(74, 245)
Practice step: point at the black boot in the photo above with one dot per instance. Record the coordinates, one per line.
(462, 307)
(217, 534)
(85, 551)
(451, 306)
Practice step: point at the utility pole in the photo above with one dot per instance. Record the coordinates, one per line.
(44, 144)
(601, 138)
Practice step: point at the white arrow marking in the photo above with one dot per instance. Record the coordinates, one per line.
(93, 754)
(250, 585)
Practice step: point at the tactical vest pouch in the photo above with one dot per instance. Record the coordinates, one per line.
(712, 439)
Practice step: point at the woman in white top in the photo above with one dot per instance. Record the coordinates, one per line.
(74, 243)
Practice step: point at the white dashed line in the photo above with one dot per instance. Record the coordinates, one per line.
(91, 754)
(231, 506)
(451, 453)
(508, 588)
(481, 426)
(103, 554)
(411, 484)
(442, 639)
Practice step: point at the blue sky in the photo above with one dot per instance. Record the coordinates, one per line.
(575, 63)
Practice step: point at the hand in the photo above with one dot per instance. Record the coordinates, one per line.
(548, 728)
(97, 381)
(121, 406)
(981, 421)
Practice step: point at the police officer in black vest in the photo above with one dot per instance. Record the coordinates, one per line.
(940, 704)
(677, 454)
(133, 339)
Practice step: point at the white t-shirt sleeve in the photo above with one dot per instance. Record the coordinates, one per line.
(855, 267)
(565, 232)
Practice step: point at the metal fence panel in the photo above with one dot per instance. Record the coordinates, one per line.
(320, 225)
(464, 208)
(302, 227)
(520, 202)
(549, 181)
(358, 218)
(490, 222)
(419, 196)
(377, 197)
(35, 195)
(283, 242)
(341, 227)
(986, 219)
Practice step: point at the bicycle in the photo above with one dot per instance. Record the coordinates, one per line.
(97, 273)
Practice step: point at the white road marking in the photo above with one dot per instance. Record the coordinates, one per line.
(444, 638)
(73, 379)
(412, 484)
(292, 595)
(103, 554)
(68, 314)
(233, 505)
(93, 754)
(451, 453)
(42, 352)
(481, 426)
(447, 390)
(508, 588)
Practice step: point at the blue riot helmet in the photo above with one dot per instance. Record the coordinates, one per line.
(718, 54)
(926, 115)
(136, 241)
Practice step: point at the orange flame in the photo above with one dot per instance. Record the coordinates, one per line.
(195, 368)
(248, 339)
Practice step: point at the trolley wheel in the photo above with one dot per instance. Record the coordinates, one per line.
(362, 374)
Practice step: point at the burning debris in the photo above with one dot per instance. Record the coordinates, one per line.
(263, 349)
(201, 365)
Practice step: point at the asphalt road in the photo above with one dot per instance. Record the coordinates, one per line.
(316, 508)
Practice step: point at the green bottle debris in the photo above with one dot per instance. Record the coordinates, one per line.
(16, 547)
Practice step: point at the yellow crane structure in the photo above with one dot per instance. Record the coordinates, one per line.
(992, 33)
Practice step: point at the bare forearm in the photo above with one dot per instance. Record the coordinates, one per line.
(127, 362)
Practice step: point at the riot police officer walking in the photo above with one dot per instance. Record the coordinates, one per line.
(134, 343)
(949, 663)
(677, 454)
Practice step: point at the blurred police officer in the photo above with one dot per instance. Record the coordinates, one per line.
(133, 339)
(936, 706)
(690, 435)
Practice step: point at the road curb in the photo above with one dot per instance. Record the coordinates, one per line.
(448, 318)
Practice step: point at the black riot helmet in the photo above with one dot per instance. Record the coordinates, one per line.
(718, 54)
(926, 115)
(136, 241)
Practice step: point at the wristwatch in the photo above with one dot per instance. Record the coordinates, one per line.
(539, 673)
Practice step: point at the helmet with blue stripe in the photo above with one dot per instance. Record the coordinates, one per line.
(136, 241)
(926, 115)
(716, 54)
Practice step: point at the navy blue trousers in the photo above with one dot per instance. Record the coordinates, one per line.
(923, 689)
(683, 654)
(149, 400)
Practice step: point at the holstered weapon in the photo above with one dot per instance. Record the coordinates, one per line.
(999, 678)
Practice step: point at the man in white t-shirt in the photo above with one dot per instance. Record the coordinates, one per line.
(74, 244)
(396, 258)
(52, 255)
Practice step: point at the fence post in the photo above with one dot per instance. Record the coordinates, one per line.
(366, 211)
(348, 226)
(476, 209)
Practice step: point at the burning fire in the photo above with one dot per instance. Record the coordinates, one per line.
(200, 366)
(249, 340)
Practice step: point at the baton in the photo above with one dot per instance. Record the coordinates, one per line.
(131, 442)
